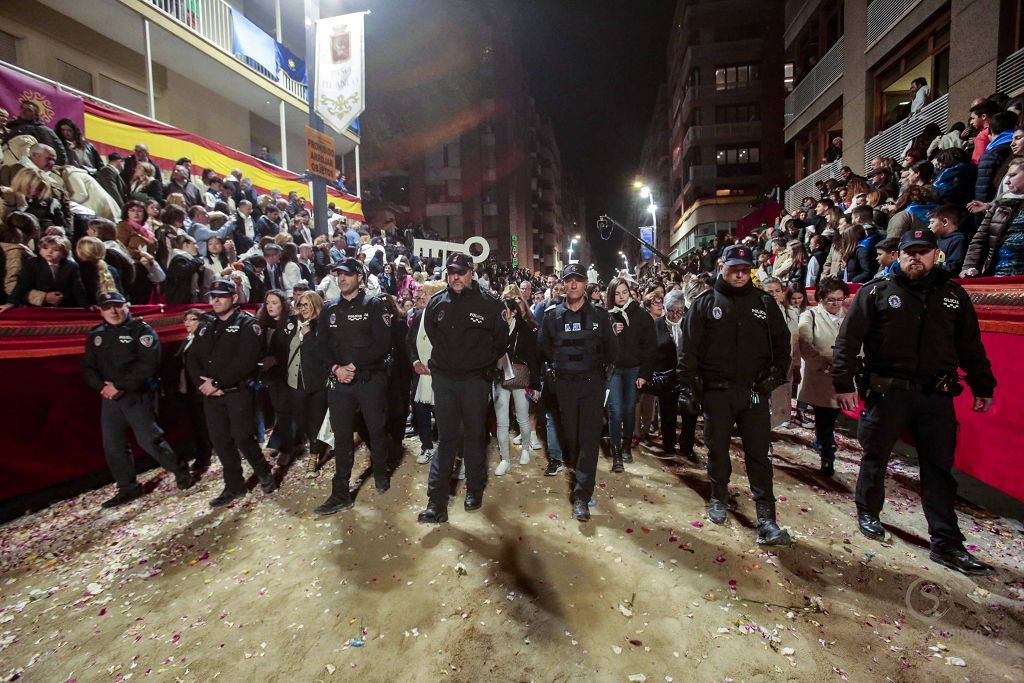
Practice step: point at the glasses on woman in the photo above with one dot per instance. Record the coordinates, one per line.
(834, 300)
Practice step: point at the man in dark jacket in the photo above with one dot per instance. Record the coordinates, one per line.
(141, 155)
(916, 328)
(29, 123)
(865, 260)
(268, 225)
(109, 178)
(735, 351)
(468, 335)
(121, 361)
(1001, 127)
(181, 183)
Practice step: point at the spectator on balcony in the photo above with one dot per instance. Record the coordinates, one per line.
(820, 246)
(141, 155)
(882, 179)
(50, 279)
(1001, 127)
(184, 272)
(944, 221)
(955, 181)
(80, 151)
(981, 113)
(834, 151)
(263, 154)
(144, 185)
(29, 123)
(109, 178)
(862, 261)
(950, 140)
(97, 275)
(244, 233)
(268, 224)
(911, 211)
(16, 232)
(180, 183)
(997, 247)
(295, 204)
(920, 95)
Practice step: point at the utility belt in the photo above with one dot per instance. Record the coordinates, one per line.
(871, 385)
(576, 376)
(361, 377)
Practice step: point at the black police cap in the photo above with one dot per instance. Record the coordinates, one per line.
(223, 288)
(574, 270)
(918, 238)
(461, 262)
(738, 255)
(108, 298)
(350, 265)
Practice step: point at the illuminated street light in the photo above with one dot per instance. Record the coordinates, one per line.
(645, 192)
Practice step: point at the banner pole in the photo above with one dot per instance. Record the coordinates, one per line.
(318, 195)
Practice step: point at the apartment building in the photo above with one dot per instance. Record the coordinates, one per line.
(726, 86)
(171, 60)
(655, 167)
(853, 63)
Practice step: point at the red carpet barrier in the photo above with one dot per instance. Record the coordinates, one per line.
(49, 423)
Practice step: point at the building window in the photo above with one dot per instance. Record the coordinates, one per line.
(8, 48)
(741, 160)
(787, 77)
(693, 80)
(736, 77)
(77, 78)
(117, 92)
(728, 34)
(737, 113)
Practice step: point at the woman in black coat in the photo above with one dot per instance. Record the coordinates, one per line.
(663, 379)
(274, 317)
(182, 284)
(635, 330)
(305, 374)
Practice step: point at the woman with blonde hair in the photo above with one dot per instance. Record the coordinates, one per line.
(98, 276)
(175, 199)
(523, 365)
(419, 348)
(31, 193)
(144, 185)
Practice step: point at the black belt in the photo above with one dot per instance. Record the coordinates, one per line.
(576, 376)
(901, 384)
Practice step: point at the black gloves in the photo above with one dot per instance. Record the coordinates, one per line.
(689, 404)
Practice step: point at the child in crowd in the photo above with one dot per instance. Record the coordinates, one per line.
(888, 251)
(945, 223)
(50, 279)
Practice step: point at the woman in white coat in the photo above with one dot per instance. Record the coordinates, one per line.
(819, 326)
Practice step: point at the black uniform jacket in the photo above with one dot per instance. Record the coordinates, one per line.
(356, 331)
(127, 355)
(466, 331)
(226, 351)
(554, 326)
(916, 331)
(636, 341)
(735, 336)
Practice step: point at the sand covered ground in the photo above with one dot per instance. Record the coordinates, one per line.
(167, 589)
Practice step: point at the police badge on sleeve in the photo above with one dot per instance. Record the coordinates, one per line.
(147, 340)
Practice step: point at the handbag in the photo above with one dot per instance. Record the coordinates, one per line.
(520, 378)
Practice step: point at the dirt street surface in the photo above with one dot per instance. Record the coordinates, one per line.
(167, 589)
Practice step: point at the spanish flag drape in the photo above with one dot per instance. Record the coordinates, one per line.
(111, 130)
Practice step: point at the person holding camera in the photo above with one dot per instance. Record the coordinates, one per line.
(735, 350)
(916, 328)
(509, 391)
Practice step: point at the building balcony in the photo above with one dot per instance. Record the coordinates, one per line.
(828, 71)
(883, 15)
(805, 188)
(893, 140)
(722, 132)
(446, 208)
(725, 52)
(1010, 74)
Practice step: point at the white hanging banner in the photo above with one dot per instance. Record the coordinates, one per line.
(340, 70)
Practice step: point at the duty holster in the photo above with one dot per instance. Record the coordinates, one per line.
(690, 397)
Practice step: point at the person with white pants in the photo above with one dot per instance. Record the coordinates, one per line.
(519, 372)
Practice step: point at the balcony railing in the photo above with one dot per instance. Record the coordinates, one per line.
(211, 21)
(822, 76)
(750, 129)
(893, 140)
(883, 15)
(806, 188)
(1010, 74)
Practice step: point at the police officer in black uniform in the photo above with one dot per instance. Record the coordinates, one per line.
(468, 335)
(222, 360)
(578, 342)
(916, 327)
(354, 337)
(122, 357)
(735, 351)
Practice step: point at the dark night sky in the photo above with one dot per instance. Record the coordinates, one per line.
(594, 67)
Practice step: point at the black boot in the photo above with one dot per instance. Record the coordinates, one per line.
(616, 458)
(768, 531)
(871, 526)
(828, 463)
(434, 514)
(123, 496)
(627, 451)
(717, 504)
(581, 510)
(961, 561)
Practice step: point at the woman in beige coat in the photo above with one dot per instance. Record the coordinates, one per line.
(818, 329)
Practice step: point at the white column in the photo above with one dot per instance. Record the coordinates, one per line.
(284, 133)
(359, 176)
(277, 20)
(151, 97)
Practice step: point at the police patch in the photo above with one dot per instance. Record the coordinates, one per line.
(257, 329)
(202, 331)
(146, 340)
(760, 314)
(440, 315)
(476, 318)
(576, 327)
(97, 340)
(334, 319)
(950, 302)
(387, 319)
(716, 313)
(895, 301)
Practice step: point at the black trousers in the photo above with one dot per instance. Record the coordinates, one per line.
(825, 431)
(580, 404)
(367, 394)
(931, 420)
(460, 407)
(398, 397)
(231, 419)
(668, 407)
(308, 410)
(724, 408)
(197, 419)
(135, 411)
(283, 436)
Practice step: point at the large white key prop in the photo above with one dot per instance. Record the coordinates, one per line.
(440, 250)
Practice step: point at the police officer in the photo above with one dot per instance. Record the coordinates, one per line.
(916, 327)
(223, 358)
(468, 335)
(578, 342)
(735, 351)
(354, 337)
(122, 357)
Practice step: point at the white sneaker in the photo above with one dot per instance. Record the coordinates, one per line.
(425, 455)
(536, 442)
(518, 440)
(462, 471)
(524, 457)
(502, 468)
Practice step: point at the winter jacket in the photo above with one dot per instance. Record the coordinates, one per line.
(988, 167)
(636, 341)
(817, 337)
(983, 251)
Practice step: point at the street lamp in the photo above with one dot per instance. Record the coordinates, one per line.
(575, 239)
(646, 193)
(625, 260)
